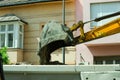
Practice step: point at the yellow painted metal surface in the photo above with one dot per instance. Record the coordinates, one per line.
(110, 28)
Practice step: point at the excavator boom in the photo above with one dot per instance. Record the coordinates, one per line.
(55, 35)
(110, 28)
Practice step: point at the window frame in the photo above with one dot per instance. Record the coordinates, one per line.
(15, 32)
(99, 9)
(86, 11)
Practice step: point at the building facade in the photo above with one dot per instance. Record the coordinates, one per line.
(21, 24)
(101, 51)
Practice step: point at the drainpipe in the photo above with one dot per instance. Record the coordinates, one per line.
(63, 22)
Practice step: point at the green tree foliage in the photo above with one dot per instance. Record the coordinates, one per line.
(3, 53)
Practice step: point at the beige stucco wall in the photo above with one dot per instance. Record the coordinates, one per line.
(105, 50)
(15, 55)
(70, 55)
(37, 15)
(88, 52)
(83, 54)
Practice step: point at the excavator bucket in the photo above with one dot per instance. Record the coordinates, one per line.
(53, 36)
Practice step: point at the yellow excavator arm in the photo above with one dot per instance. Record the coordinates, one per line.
(110, 28)
(55, 35)
(105, 30)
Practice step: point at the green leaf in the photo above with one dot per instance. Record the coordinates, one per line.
(3, 53)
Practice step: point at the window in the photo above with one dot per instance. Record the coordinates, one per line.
(107, 60)
(100, 9)
(11, 34)
(2, 40)
(10, 40)
(20, 42)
